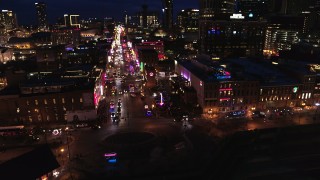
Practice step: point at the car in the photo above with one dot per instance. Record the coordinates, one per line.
(297, 109)
(96, 126)
(111, 104)
(82, 125)
(133, 95)
(70, 128)
(116, 119)
(180, 146)
(149, 113)
(119, 100)
(120, 92)
(113, 115)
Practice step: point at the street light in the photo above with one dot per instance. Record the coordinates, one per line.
(62, 150)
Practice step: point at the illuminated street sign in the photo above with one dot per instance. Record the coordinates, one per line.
(237, 16)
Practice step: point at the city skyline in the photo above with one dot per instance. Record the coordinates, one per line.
(26, 12)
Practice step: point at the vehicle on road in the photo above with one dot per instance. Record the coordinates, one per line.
(149, 113)
(111, 104)
(113, 115)
(119, 111)
(131, 88)
(82, 125)
(133, 95)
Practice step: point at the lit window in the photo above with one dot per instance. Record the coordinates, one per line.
(72, 100)
(45, 101)
(62, 100)
(54, 101)
(81, 100)
(36, 102)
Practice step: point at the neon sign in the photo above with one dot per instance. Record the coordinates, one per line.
(225, 89)
(295, 89)
(237, 16)
(161, 100)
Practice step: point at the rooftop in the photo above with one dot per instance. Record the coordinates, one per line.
(265, 72)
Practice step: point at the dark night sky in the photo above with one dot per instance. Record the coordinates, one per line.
(25, 9)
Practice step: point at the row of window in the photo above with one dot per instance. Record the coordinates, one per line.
(228, 93)
(39, 118)
(53, 101)
(277, 98)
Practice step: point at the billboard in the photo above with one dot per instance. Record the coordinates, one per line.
(81, 115)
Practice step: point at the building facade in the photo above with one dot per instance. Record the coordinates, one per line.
(168, 13)
(227, 38)
(188, 20)
(41, 9)
(8, 19)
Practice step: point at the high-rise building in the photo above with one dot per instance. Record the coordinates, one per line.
(71, 20)
(254, 9)
(8, 19)
(144, 18)
(291, 7)
(168, 13)
(188, 20)
(41, 9)
(281, 32)
(206, 6)
(222, 33)
(216, 7)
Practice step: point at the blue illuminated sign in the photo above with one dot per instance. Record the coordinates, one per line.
(223, 77)
(112, 161)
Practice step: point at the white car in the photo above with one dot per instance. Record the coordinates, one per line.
(113, 115)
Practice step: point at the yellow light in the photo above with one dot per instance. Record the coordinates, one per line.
(62, 150)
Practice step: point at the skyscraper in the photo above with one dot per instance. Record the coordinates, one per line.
(217, 6)
(168, 13)
(41, 9)
(189, 20)
(71, 20)
(8, 19)
(252, 8)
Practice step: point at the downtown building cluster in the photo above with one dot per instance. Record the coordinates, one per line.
(48, 71)
(206, 43)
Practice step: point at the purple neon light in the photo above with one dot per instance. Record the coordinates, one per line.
(225, 89)
(224, 99)
(110, 154)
